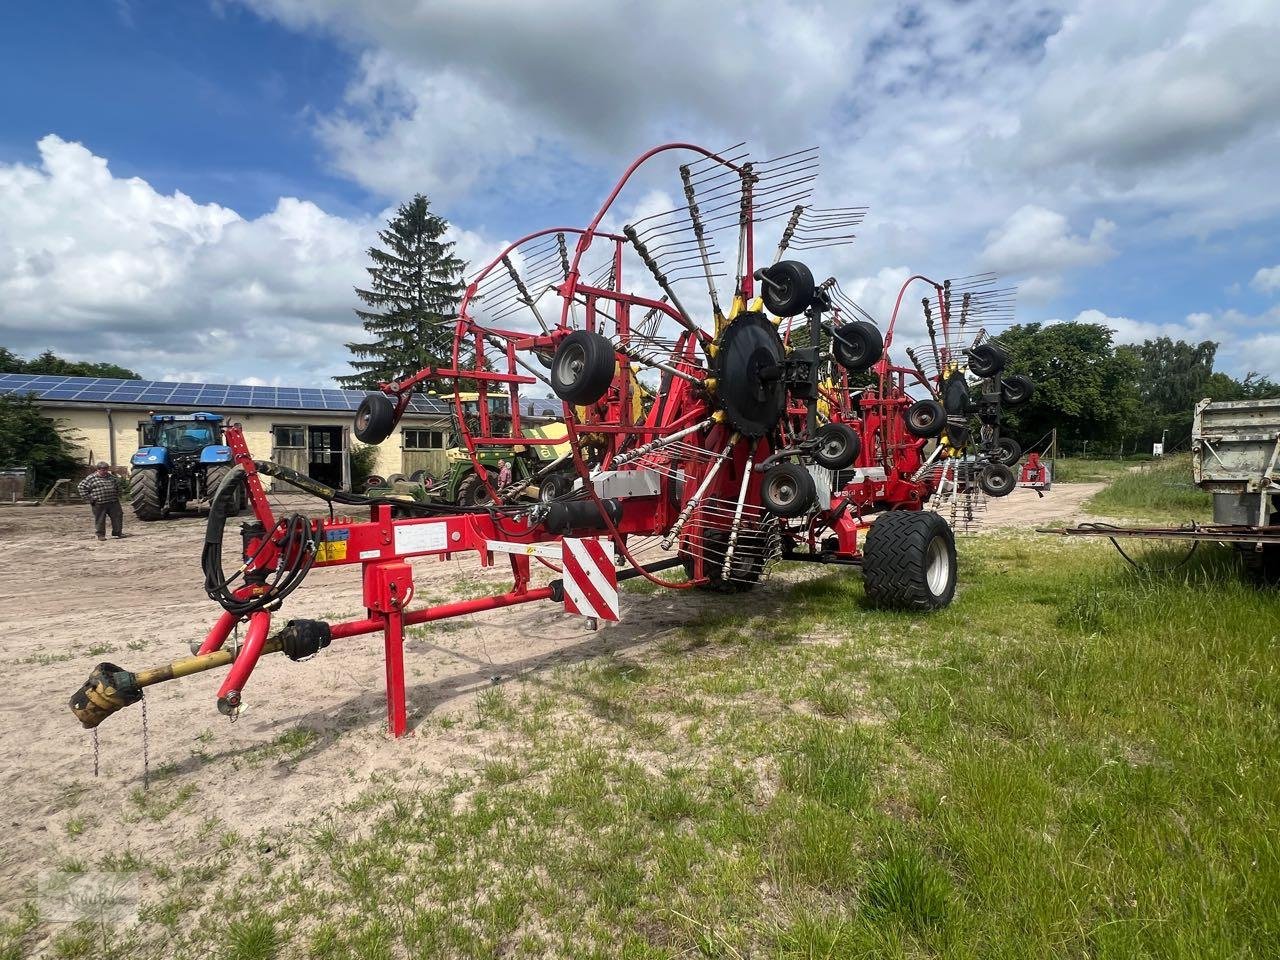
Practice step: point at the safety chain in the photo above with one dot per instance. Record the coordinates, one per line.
(146, 753)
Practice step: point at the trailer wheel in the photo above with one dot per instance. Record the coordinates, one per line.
(788, 490)
(909, 561)
(147, 495)
(1262, 567)
(857, 345)
(375, 418)
(838, 446)
(996, 480)
(986, 360)
(926, 418)
(582, 368)
(213, 480)
(554, 487)
(472, 492)
(1016, 390)
(787, 288)
(1008, 451)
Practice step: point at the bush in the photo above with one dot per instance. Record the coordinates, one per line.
(364, 457)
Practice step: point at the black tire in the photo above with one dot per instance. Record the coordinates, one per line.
(147, 495)
(395, 478)
(373, 480)
(1262, 567)
(583, 367)
(748, 562)
(997, 480)
(1016, 390)
(375, 418)
(788, 490)
(838, 446)
(986, 360)
(909, 561)
(857, 346)
(554, 486)
(787, 288)
(472, 491)
(955, 396)
(213, 480)
(926, 418)
(1008, 451)
(417, 476)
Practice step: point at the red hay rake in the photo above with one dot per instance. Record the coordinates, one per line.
(715, 434)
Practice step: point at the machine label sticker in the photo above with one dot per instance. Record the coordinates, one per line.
(370, 554)
(422, 537)
(334, 546)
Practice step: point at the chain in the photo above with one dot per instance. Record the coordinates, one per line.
(146, 753)
(95, 751)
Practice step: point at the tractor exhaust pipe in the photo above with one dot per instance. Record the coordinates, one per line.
(111, 688)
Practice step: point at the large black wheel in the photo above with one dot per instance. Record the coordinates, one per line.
(1262, 566)
(909, 561)
(788, 490)
(955, 396)
(926, 418)
(148, 494)
(472, 491)
(838, 446)
(1016, 390)
(582, 367)
(986, 360)
(857, 346)
(787, 287)
(997, 480)
(213, 478)
(1008, 451)
(375, 418)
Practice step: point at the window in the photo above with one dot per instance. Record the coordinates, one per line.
(290, 436)
(423, 440)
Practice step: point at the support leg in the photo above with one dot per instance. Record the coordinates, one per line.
(218, 634)
(394, 634)
(255, 637)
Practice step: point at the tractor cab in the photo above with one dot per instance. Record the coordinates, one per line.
(188, 433)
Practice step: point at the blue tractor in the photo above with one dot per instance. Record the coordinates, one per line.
(182, 461)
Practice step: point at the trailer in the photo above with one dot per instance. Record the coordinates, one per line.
(1235, 456)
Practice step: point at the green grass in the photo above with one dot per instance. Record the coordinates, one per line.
(1160, 490)
(1074, 760)
(1089, 470)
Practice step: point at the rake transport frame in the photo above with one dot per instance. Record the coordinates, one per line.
(719, 463)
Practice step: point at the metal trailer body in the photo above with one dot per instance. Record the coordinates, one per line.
(1235, 455)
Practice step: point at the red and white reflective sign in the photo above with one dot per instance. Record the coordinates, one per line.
(590, 579)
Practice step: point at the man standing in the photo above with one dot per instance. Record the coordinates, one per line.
(101, 490)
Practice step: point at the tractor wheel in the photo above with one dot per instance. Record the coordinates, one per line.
(926, 418)
(986, 360)
(583, 367)
(909, 561)
(1008, 451)
(375, 418)
(996, 480)
(788, 490)
(147, 494)
(787, 288)
(838, 446)
(472, 491)
(213, 479)
(857, 345)
(1016, 390)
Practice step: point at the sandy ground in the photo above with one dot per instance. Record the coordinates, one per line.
(68, 602)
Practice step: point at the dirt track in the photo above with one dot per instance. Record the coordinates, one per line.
(68, 602)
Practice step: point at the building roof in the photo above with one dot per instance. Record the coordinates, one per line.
(104, 391)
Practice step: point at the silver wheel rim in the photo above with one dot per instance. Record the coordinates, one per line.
(784, 491)
(937, 565)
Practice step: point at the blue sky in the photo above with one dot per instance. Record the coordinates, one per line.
(187, 188)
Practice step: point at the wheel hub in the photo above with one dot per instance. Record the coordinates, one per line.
(750, 387)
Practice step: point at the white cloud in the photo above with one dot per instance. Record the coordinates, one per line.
(107, 268)
(1266, 280)
(1038, 241)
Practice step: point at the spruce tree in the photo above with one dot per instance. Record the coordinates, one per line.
(412, 299)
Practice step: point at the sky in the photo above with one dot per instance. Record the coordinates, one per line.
(189, 189)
